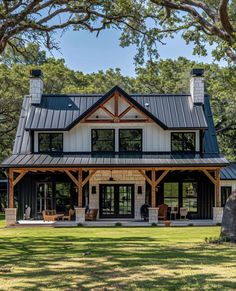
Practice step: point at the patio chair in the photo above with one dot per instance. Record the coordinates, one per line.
(162, 212)
(183, 212)
(70, 215)
(91, 214)
(174, 212)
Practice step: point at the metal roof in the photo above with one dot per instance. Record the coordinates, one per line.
(44, 160)
(229, 172)
(62, 112)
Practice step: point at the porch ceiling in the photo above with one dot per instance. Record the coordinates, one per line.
(88, 161)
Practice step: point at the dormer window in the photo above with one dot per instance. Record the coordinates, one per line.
(183, 142)
(50, 142)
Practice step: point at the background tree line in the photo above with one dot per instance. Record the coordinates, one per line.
(163, 76)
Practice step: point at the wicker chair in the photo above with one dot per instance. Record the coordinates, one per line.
(162, 212)
(92, 214)
(183, 212)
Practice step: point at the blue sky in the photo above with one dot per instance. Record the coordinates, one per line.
(85, 52)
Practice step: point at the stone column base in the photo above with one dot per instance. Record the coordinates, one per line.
(153, 214)
(80, 215)
(10, 216)
(217, 214)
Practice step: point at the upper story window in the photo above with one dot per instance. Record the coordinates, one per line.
(130, 140)
(50, 142)
(103, 140)
(183, 142)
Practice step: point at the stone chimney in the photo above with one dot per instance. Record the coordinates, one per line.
(36, 86)
(197, 85)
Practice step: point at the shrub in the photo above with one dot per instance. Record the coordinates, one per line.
(118, 224)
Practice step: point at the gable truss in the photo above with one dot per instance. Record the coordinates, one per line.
(113, 112)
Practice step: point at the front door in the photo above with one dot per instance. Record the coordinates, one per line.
(116, 201)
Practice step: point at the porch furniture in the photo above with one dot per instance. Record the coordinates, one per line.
(69, 216)
(183, 212)
(51, 215)
(162, 212)
(27, 213)
(91, 214)
(174, 212)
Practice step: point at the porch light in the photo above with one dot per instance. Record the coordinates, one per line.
(94, 190)
(140, 190)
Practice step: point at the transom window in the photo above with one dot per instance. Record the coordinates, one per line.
(130, 140)
(50, 142)
(103, 140)
(182, 141)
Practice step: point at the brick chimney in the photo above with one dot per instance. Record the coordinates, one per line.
(36, 86)
(197, 85)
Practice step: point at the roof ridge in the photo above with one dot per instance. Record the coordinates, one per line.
(131, 94)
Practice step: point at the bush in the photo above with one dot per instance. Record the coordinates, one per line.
(118, 224)
(154, 224)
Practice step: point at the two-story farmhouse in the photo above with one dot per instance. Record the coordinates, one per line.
(114, 152)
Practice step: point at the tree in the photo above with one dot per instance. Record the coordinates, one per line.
(211, 22)
(145, 23)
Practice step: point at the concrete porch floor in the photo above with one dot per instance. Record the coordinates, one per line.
(113, 222)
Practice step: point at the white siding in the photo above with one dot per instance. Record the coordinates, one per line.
(154, 137)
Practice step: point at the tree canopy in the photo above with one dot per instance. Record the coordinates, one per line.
(145, 23)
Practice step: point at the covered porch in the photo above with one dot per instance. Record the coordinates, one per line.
(136, 181)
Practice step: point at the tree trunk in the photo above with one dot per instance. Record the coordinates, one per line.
(228, 228)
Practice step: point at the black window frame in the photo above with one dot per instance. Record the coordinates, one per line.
(50, 142)
(114, 140)
(221, 194)
(141, 130)
(182, 149)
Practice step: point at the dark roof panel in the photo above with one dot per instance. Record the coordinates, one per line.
(169, 111)
(43, 160)
(229, 172)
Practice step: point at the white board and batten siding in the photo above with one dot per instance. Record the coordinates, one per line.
(78, 139)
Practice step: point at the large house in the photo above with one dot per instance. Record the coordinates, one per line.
(114, 152)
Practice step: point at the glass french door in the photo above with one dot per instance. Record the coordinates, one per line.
(44, 197)
(116, 201)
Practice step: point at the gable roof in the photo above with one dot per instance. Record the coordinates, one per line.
(62, 112)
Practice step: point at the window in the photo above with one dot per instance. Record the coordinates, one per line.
(130, 140)
(50, 142)
(103, 140)
(190, 196)
(225, 192)
(182, 141)
(171, 194)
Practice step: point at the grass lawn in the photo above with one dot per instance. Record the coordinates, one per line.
(115, 259)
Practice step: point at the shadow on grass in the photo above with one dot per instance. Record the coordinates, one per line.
(78, 263)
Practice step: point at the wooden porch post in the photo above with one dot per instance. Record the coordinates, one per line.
(153, 188)
(80, 188)
(10, 189)
(217, 188)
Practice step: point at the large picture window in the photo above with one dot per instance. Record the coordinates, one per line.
(182, 141)
(190, 196)
(171, 194)
(130, 140)
(50, 142)
(103, 140)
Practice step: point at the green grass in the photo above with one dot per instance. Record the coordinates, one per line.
(115, 259)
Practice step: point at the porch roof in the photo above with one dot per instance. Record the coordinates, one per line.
(88, 161)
